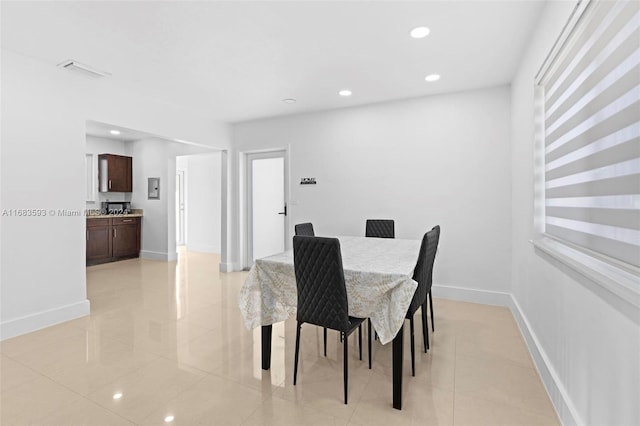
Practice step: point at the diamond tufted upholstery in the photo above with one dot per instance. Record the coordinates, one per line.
(422, 273)
(322, 293)
(305, 229)
(380, 228)
(429, 295)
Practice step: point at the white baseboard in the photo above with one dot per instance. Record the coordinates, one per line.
(463, 294)
(557, 393)
(155, 255)
(39, 320)
(559, 397)
(203, 248)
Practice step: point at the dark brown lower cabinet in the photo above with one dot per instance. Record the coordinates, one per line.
(111, 239)
(126, 237)
(98, 241)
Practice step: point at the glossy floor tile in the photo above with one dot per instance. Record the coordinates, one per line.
(165, 344)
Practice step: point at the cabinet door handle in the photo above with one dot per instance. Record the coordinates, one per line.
(127, 220)
(115, 233)
(109, 183)
(87, 235)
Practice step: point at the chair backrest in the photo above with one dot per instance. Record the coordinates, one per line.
(380, 228)
(423, 269)
(322, 294)
(436, 230)
(305, 229)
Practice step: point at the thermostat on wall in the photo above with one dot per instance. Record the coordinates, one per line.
(308, 181)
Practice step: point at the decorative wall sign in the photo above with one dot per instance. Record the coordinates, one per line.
(308, 181)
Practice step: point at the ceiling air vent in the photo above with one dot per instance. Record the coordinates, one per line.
(85, 70)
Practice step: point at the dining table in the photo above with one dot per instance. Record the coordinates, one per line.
(378, 276)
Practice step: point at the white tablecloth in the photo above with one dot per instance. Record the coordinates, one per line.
(377, 274)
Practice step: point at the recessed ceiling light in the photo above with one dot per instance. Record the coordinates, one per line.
(289, 101)
(432, 77)
(117, 395)
(114, 132)
(420, 32)
(168, 419)
(344, 92)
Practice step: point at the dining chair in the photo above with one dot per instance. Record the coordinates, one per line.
(429, 293)
(380, 228)
(322, 293)
(422, 275)
(305, 229)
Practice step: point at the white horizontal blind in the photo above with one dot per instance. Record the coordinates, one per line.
(592, 133)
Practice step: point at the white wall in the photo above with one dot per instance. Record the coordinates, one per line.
(44, 111)
(588, 341)
(151, 159)
(97, 146)
(436, 160)
(203, 201)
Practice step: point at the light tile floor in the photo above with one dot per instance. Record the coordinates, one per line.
(167, 339)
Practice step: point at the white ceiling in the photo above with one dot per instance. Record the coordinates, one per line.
(103, 130)
(238, 60)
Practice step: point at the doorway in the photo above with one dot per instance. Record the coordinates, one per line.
(180, 217)
(266, 204)
(198, 198)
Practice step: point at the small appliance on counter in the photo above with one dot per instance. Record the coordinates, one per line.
(116, 207)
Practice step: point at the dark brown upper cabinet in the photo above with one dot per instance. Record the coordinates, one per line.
(114, 173)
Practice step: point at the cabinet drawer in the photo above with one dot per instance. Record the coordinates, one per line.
(125, 220)
(93, 223)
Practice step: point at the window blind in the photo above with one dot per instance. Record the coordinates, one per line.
(592, 133)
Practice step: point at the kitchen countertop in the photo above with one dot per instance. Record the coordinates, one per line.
(102, 216)
(97, 214)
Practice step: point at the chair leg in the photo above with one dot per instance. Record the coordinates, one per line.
(360, 340)
(433, 327)
(369, 342)
(295, 368)
(325, 341)
(413, 349)
(426, 329)
(425, 325)
(346, 367)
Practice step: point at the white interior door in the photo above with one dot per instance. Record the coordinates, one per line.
(180, 219)
(267, 204)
